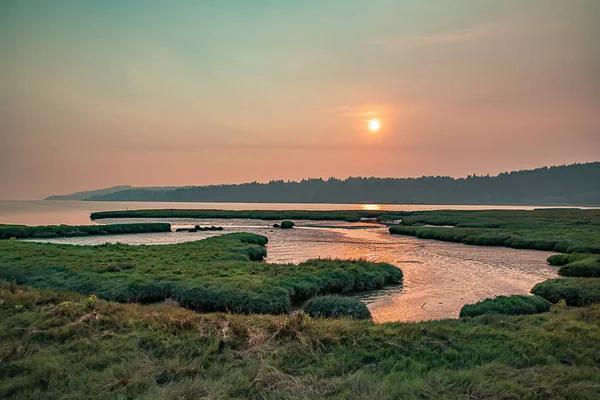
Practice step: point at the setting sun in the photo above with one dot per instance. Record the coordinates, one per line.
(374, 125)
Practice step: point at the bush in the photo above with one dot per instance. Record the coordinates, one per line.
(508, 305)
(577, 265)
(576, 291)
(287, 224)
(336, 307)
(578, 270)
(558, 260)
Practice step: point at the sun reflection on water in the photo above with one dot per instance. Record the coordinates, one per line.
(370, 207)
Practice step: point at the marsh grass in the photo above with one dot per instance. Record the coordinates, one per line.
(50, 231)
(577, 265)
(565, 231)
(52, 345)
(269, 215)
(575, 291)
(507, 305)
(558, 260)
(216, 274)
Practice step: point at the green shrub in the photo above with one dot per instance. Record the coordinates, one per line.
(558, 260)
(287, 224)
(578, 270)
(508, 305)
(336, 307)
(576, 291)
(577, 265)
(561, 305)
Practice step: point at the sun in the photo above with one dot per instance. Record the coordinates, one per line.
(374, 125)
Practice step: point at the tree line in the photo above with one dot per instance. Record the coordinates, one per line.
(576, 184)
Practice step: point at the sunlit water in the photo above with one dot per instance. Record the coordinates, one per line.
(439, 277)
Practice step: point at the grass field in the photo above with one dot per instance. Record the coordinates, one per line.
(565, 231)
(215, 274)
(64, 345)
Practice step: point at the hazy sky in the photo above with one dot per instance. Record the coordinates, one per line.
(100, 93)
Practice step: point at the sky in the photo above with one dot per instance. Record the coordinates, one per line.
(154, 93)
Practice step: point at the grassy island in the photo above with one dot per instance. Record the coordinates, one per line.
(268, 215)
(51, 231)
(565, 231)
(215, 274)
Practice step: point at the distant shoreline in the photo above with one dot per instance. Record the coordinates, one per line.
(567, 185)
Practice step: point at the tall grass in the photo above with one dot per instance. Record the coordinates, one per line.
(64, 346)
(336, 307)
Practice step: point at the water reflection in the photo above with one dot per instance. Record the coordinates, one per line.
(439, 277)
(370, 207)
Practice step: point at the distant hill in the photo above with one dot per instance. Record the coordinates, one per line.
(576, 184)
(89, 193)
(108, 191)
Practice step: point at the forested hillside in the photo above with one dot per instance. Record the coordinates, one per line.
(577, 184)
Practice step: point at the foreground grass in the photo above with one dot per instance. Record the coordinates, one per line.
(215, 274)
(269, 215)
(565, 231)
(336, 307)
(62, 345)
(50, 231)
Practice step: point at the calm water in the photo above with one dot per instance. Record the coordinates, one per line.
(78, 212)
(439, 277)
